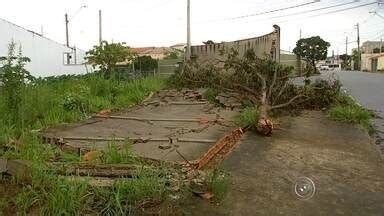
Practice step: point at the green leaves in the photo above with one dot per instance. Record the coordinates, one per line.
(107, 55)
(312, 49)
(14, 77)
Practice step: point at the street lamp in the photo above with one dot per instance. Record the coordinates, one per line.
(67, 21)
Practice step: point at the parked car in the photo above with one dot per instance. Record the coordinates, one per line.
(324, 67)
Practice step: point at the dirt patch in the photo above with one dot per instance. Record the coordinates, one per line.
(8, 192)
(339, 158)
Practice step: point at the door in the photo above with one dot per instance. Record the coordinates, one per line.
(374, 65)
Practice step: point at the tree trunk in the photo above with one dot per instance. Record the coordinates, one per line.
(264, 124)
(314, 67)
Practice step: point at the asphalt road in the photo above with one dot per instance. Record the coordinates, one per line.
(368, 89)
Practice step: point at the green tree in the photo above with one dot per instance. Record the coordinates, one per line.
(145, 63)
(14, 77)
(376, 50)
(355, 59)
(107, 55)
(346, 61)
(172, 55)
(312, 49)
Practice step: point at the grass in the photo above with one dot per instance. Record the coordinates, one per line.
(248, 117)
(219, 184)
(3, 204)
(210, 94)
(53, 101)
(68, 99)
(116, 155)
(346, 110)
(52, 195)
(126, 194)
(350, 114)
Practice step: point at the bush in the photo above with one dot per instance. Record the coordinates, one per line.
(248, 117)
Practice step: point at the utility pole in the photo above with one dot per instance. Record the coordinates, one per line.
(346, 45)
(66, 30)
(100, 29)
(300, 34)
(358, 47)
(188, 51)
(67, 37)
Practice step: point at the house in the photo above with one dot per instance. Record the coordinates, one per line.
(372, 62)
(48, 57)
(154, 52)
(370, 46)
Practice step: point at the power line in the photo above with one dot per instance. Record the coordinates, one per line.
(330, 12)
(313, 10)
(270, 11)
(344, 9)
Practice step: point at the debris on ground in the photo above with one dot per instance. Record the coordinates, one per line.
(231, 100)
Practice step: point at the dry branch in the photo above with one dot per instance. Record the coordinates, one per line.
(139, 139)
(147, 119)
(288, 103)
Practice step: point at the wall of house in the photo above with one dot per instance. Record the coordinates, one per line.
(47, 56)
(366, 61)
(380, 64)
(266, 45)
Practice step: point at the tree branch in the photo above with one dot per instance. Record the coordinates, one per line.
(286, 104)
(273, 83)
(280, 92)
(246, 89)
(289, 77)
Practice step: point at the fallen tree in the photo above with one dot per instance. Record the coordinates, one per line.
(266, 83)
(266, 80)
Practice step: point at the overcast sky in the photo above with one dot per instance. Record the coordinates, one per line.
(163, 22)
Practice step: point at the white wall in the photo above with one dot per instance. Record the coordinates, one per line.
(47, 56)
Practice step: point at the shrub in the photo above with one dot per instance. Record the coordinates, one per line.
(248, 117)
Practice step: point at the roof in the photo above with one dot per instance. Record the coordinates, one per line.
(140, 50)
(178, 45)
(152, 50)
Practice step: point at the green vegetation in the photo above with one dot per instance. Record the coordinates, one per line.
(210, 94)
(248, 117)
(3, 204)
(52, 101)
(115, 155)
(312, 49)
(126, 194)
(172, 55)
(346, 110)
(145, 63)
(31, 104)
(219, 184)
(107, 55)
(52, 195)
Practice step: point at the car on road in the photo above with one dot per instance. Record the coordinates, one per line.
(323, 67)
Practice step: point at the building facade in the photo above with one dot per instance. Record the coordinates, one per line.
(48, 58)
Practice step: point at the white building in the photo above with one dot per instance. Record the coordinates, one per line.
(48, 58)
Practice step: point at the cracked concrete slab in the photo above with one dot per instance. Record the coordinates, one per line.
(211, 123)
